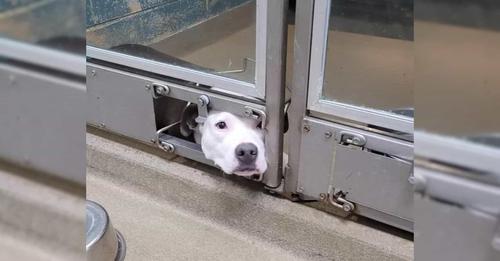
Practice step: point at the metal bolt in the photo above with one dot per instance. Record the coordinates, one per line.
(148, 86)
(203, 100)
(161, 90)
(357, 141)
(93, 72)
(347, 208)
(322, 196)
(307, 128)
(328, 134)
(168, 147)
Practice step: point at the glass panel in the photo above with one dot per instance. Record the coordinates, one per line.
(369, 59)
(458, 60)
(56, 24)
(216, 36)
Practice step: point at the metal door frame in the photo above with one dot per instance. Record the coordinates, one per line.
(216, 82)
(316, 75)
(43, 56)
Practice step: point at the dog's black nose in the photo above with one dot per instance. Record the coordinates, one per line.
(246, 153)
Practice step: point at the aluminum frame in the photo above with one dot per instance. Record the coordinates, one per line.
(275, 67)
(217, 82)
(43, 56)
(298, 105)
(316, 83)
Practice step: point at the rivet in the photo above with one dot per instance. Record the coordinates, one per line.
(93, 72)
(307, 128)
(328, 134)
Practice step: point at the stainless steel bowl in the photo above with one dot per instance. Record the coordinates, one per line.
(104, 243)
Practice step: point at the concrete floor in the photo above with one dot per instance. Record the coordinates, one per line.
(171, 208)
(41, 218)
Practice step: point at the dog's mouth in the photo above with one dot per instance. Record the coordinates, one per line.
(249, 172)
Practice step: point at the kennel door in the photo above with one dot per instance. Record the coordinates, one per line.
(356, 129)
(219, 45)
(148, 58)
(362, 62)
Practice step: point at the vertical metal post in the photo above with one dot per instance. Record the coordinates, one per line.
(300, 80)
(276, 36)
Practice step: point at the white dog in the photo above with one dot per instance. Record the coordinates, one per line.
(233, 143)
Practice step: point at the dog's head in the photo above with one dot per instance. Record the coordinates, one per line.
(234, 143)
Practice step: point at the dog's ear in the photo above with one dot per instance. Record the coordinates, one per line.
(188, 119)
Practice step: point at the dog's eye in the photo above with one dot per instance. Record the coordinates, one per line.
(221, 125)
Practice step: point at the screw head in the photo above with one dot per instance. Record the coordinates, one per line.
(328, 134)
(93, 73)
(148, 86)
(161, 90)
(322, 196)
(347, 208)
(307, 128)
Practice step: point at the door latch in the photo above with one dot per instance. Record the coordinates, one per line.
(337, 199)
(350, 138)
(202, 104)
(256, 114)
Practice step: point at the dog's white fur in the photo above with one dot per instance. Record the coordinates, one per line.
(219, 145)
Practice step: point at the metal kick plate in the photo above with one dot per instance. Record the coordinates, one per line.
(120, 103)
(42, 122)
(374, 181)
(451, 233)
(366, 176)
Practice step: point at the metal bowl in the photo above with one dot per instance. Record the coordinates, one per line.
(104, 243)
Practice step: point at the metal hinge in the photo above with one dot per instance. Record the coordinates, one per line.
(337, 199)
